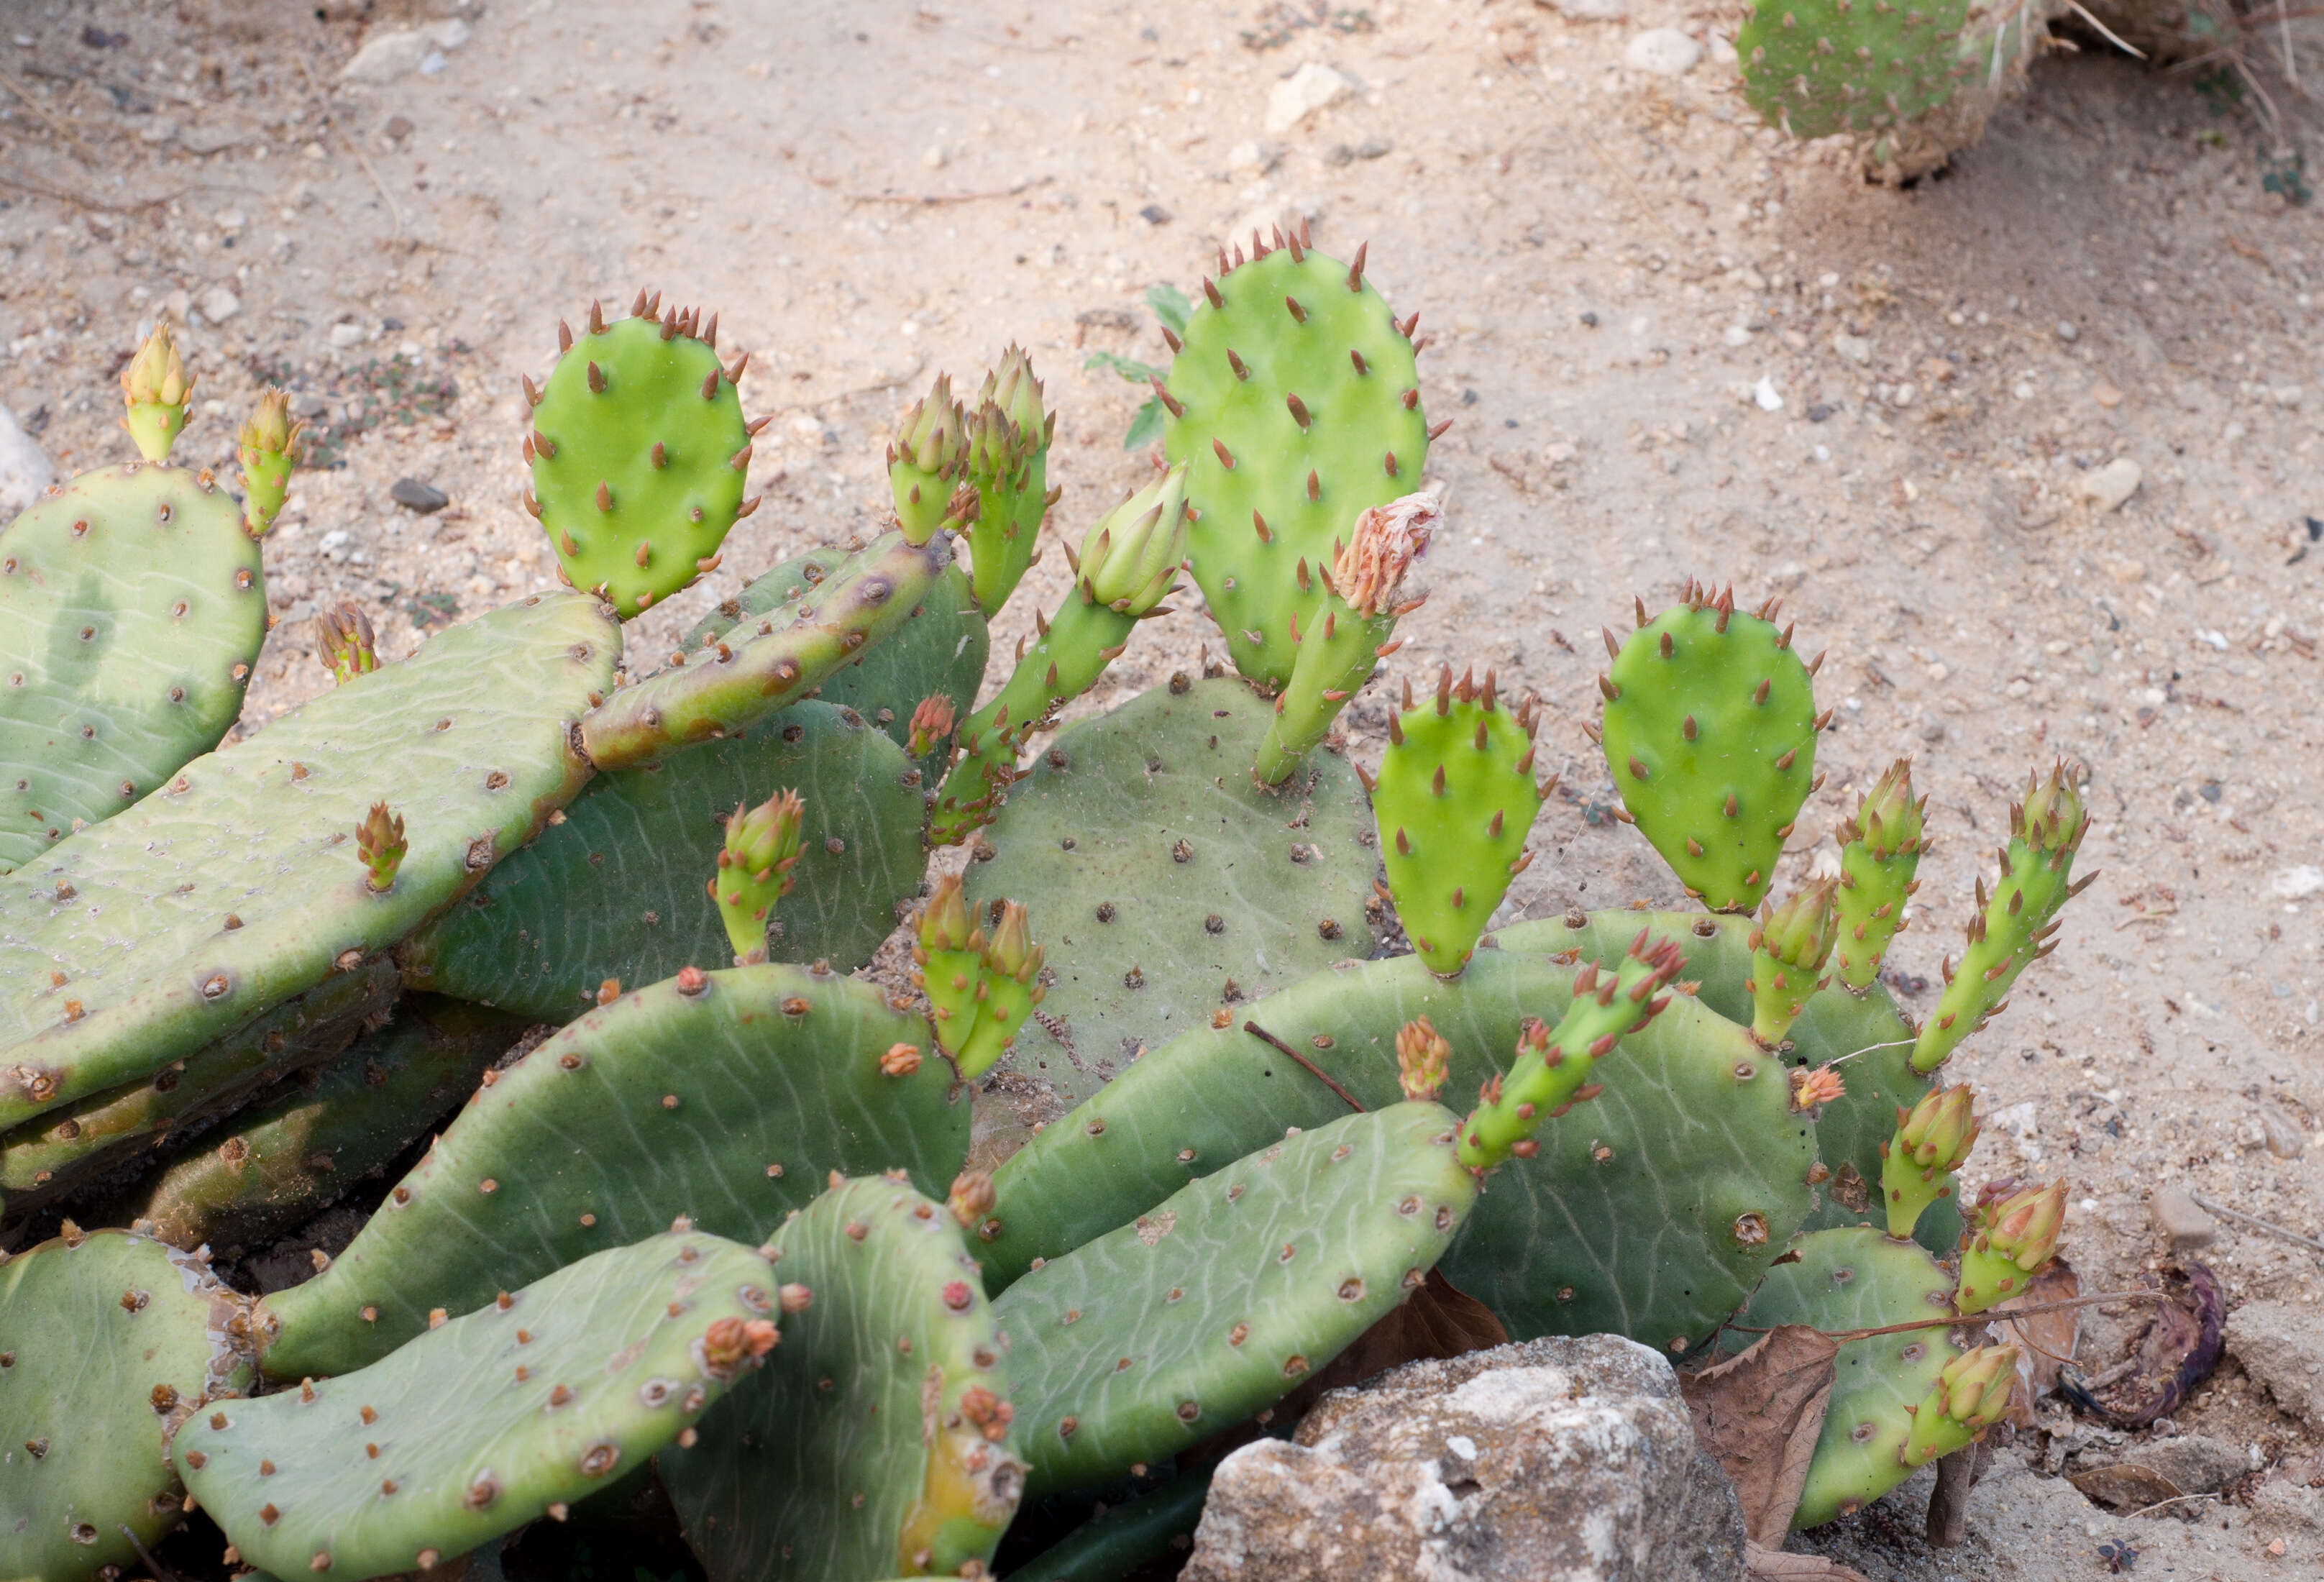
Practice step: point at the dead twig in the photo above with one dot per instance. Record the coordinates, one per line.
(1257, 1031)
(48, 119)
(2256, 1223)
(935, 199)
(161, 1573)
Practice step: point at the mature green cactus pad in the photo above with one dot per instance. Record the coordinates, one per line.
(940, 649)
(237, 886)
(877, 1442)
(1710, 734)
(1165, 884)
(731, 686)
(1219, 1301)
(1858, 1279)
(1295, 405)
(131, 607)
(1818, 67)
(615, 890)
(638, 450)
(536, 1400)
(107, 1341)
(724, 1097)
(294, 1153)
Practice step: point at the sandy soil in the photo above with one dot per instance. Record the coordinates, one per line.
(1611, 261)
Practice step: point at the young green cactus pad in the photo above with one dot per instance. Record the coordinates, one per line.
(924, 458)
(1788, 950)
(1818, 67)
(489, 1420)
(638, 449)
(267, 446)
(1972, 1392)
(131, 607)
(379, 846)
(1932, 1140)
(1219, 1301)
(2010, 1238)
(1880, 848)
(289, 1156)
(754, 869)
(878, 1441)
(732, 686)
(1293, 402)
(344, 644)
(158, 393)
(1129, 564)
(1006, 460)
(1165, 884)
(1455, 801)
(1858, 1279)
(265, 897)
(734, 1093)
(1710, 732)
(1008, 988)
(614, 890)
(948, 964)
(107, 1342)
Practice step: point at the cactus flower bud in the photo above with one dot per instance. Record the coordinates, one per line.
(381, 846)
(1887, 820)
(344, 642)
(1012, 388)
(1971, 1392)
(993, 449)
(948, 957)
(1916, 1165)
(972, 1197)
(1423, 1059)
(754, 869)
(932, 724)
(944, 921)
(1789, 948)
(158, 390)
(1008, 988)
(2011, 1237)
(1129, 561)
(924, 460)
(268, 446)
(1369, 571)
(2052, 816)
(1819, 1086)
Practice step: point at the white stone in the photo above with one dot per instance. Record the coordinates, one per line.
(2298, 884)
(1664, 51)
(1735, 335)
(2109, 486)
(1587, 10)
(1314, 87)
(161, 129)
(1765, 392)
(220, 304)
(387, 56)
(343, 335)
(449, 34)
(1854, 348)
(24, 467)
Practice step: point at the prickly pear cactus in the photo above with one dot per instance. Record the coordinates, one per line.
(878, 1440)
(2010, 1238)
(638, 450)
(1916, 1165)
(1818, 67)
(1006, 461)
(733, 1093)
(107, 1342)
(1789, 948)
(1220, 1300)
(237, 885)
(1165, 884)
(615, 890)
(488, 1421)
(1295, 405)
(131, 607)
(1710, 731)
(1880, 849)
(290, 1156)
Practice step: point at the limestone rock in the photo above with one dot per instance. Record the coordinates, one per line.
(1314, 87)
(2281, 1347)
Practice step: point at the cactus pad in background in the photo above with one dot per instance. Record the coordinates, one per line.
(638, 449)
(1294, 403)
(131, 607)
(615, 890)
(1222, 1300)
(107, 1342)
(533, 1402)
(468, 735)
(732, 1094)
(1710, 731)
(1455, 801)
(1167, 886)
(1817, 67)
(1881, 849)
(879, 1440)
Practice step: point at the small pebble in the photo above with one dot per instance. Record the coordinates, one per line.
(415, 496)
(2179, 1217)
(2067, 331)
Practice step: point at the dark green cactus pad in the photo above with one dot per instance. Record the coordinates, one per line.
(1220, 1300)
(877, 1442)
(107, 1342)
(1164, 883)
(1817, 67)
(940, 648)
(60, 1151)
(1295, 405)
(615, 890)
(537, 1399)
(1709, 732)
(237, 885)
(131, 607)
(639, 451)
(725, 1098)
(1121, 1539)
(312, 1138)
(1858, 1279)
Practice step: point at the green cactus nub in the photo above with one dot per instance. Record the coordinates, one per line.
(948, 964)
(158, 393)
(1454, 799)
(344, 644)
(1004, 457)
(268, 447)
(1932, 1140)
(2011, 1237)
(1710, 731)
(1789, 947)
(379, 846)
(639, 452)
(925, 460)
(754, 870)
(1008, 988)
(1969, 1395)
(1880, 849)
(1552, 1071)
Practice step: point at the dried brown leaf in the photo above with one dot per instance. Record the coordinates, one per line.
(1758, 1414)
(2126, 1487)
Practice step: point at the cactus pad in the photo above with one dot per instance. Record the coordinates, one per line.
(878, 1440)
(638, 450)
(1880, 849)
(1709, 732)
(536, 1400)
(723, 1097)
(107, 1341)
(1219, 1301)
(1295, 405)
(615, 890)
(1818, 67)
(1163, 882)
(131, 607)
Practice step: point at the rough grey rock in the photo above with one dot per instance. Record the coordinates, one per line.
(2281, 1347)
(25, 468)
(2197, 1463)
(1570, 1459)
(2177, 1215)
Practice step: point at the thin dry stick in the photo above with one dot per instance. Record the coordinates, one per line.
(2256, 1223)
(161, 1573)
(46, 119)
(2283, 32)
(2174, 1500)
(935, 199)
(1256, 1030)
(2111, 38)
(1947, 1323)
